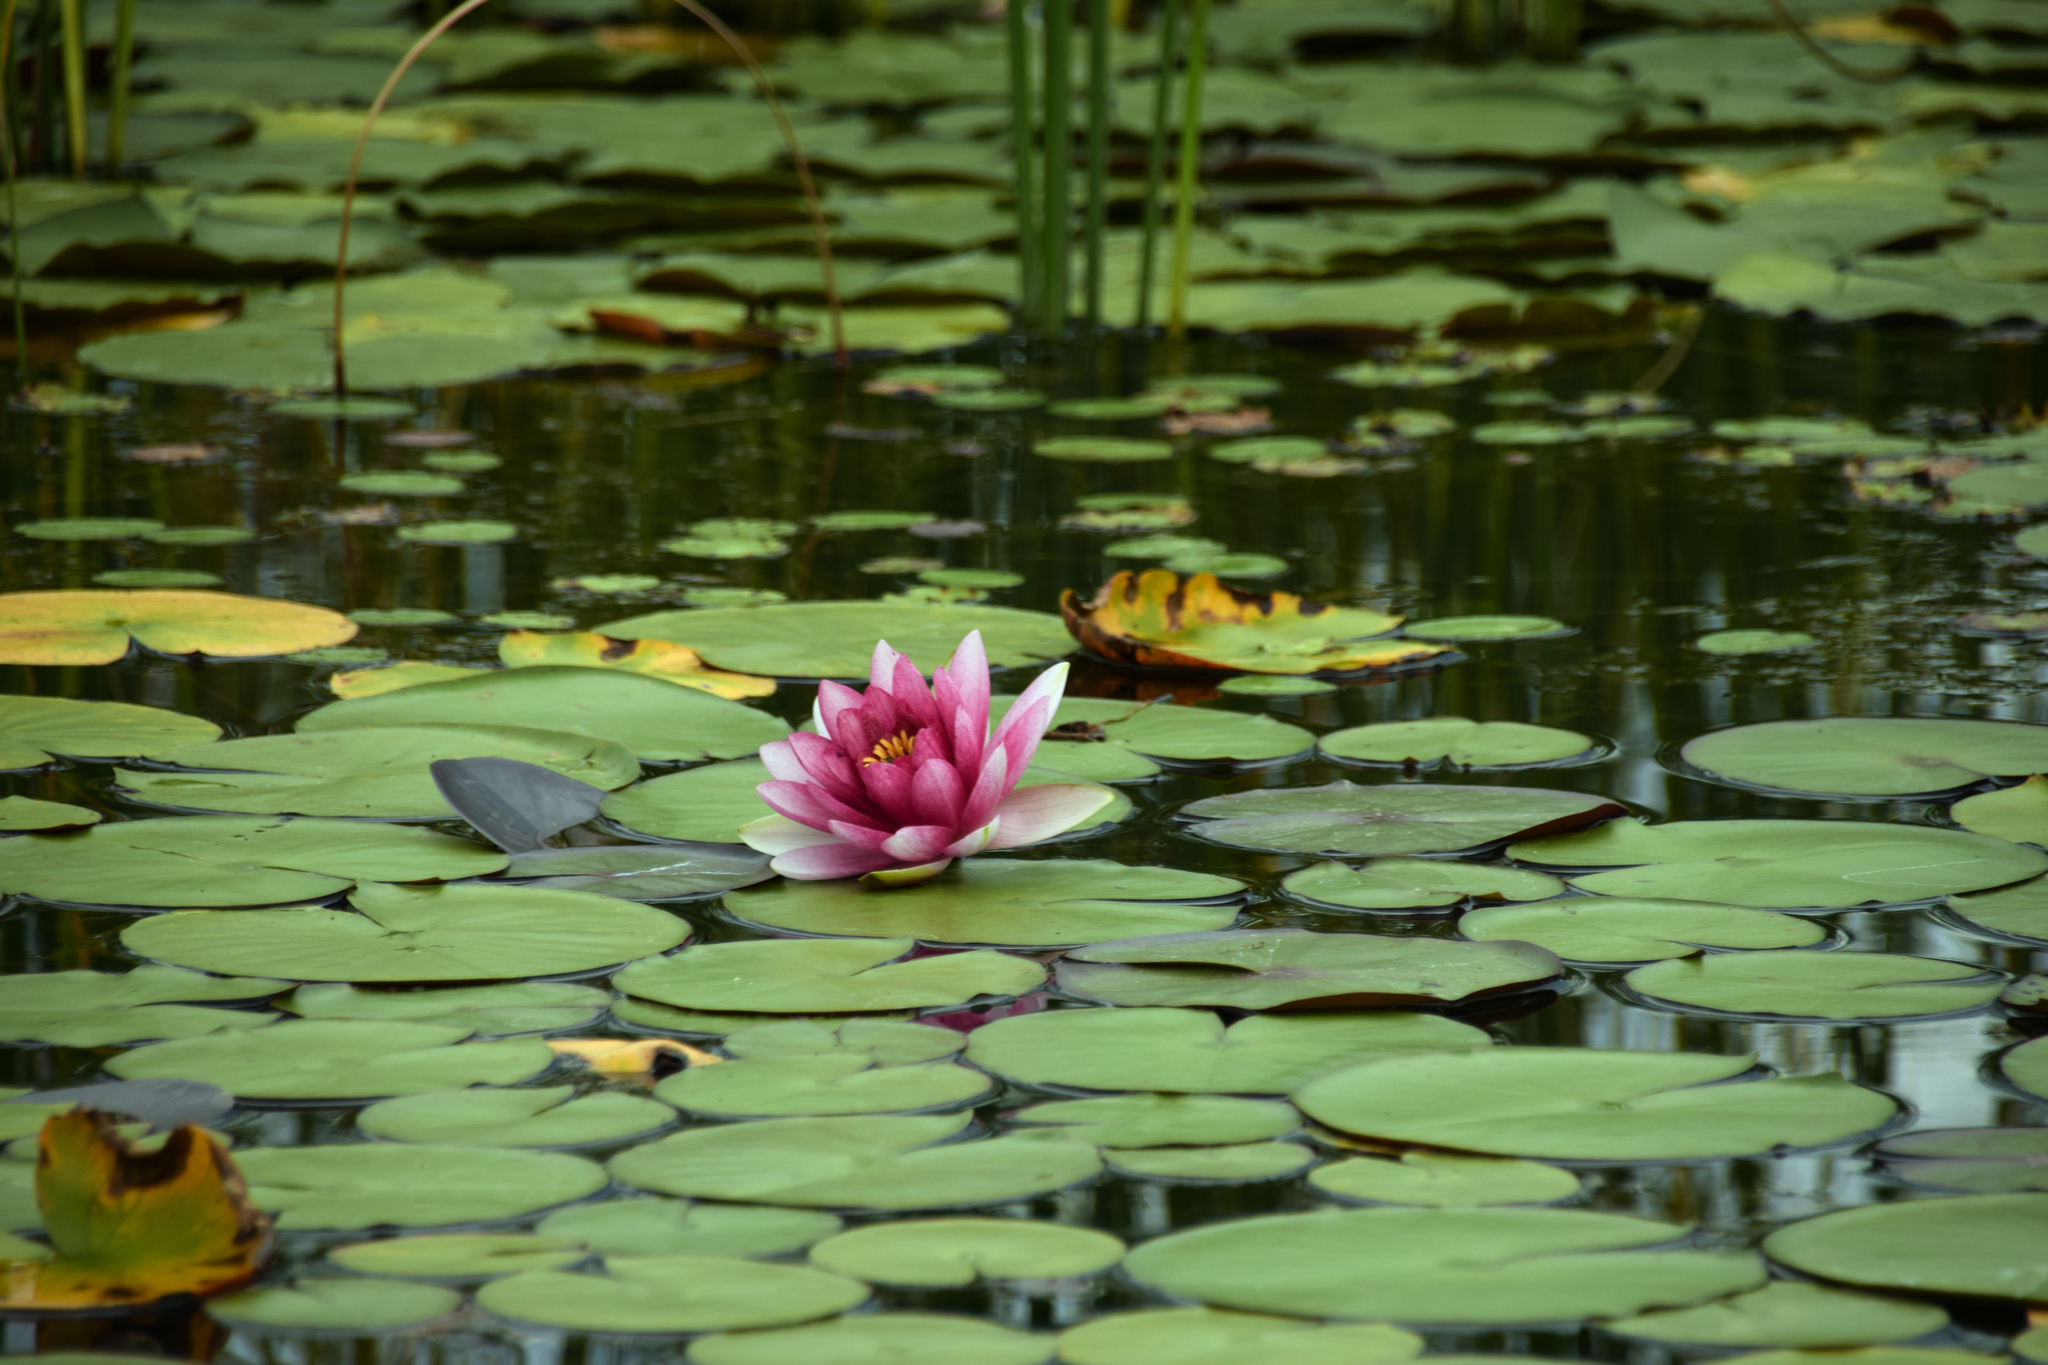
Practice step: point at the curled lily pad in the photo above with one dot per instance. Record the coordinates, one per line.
(836, 1083)
(835, 639)
(1462, 629)
(1346, 820)
(856, 1163)
(1294, 968)
(1236, 1163)
(362, 1185)
(1871, 756)
(96, 627)
(102, 1009)
(23, 814)
(1455, 742)
(358, 1307)
(33, 730)
(487, 1011)
(1787, 864)
(1016, 902)
(803, 976)
(1788, 1313)
(2018, 911)
(677, 1227)
(1580, 1104)
(459, 1256)
(335, 1060)
(2018, 814)
(1602, 930)
(1467, 1266)
(1164, 1120)
(1416, 884)
(1981, 1246)
(907, 1338)
(956, 1252)
(458, 532)
(1439, 1180)
(1199, 1336)
(550, 1116)
(1792, 984)
(1160, 619)
(1754, 641)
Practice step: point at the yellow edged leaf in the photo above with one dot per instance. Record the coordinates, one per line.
(662, 659)
(370, 682)
(629, 1056)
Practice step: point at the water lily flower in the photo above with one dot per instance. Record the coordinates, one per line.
(903, 779)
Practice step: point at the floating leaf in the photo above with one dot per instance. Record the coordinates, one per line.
(1164, 1120)
(549, 1116)
(1135, 408)
(157, 578)
(1294, 968)
(1792, 984)
(1274, 685)
(971, 578)
(1982, 1246)
(1269, 450)
(1106, 741)
(647, 1226)
(1190, 1051)
(989, 400)
(335, 1060)
(2026, 1066)
(909, 1338)
(856, 1163)
(1102, 449)
(402, 483)
(1211, 1336)
(945, 1253)
(1230, 565)
(1977, 1160)
(643, 872)
(835, 639)
(161, 1104)
(654, 658)
(403, 616)
(1455, 742)
(449, 933)
(2019, 911)
(97, 627)
(1461, 629)
(1783, 863)
(1441, 1181)
(1602, 930)
(1579, 1104)
(1416, 884)
(1352, 821)
(459, 1256)
(800, 976)
(487, 1011)
(877, 520)
(1161, 619)
(797, 1087)
(882, 1042)
(88, 528)
(2018, 814)
(1754, 641)
(351, 1187)
(1788, 1313)
(359, 1307)
(1870, 755)
(201, 535)
(1234, 1164)
(461, 461)
(458, 532)
(102, 1009)
(23, 814)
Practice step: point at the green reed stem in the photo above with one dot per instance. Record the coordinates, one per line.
(73, 12)
(1059, 158)
(1155, 155)
(43, 141)
(1098, 156)
(124, 63)
(11, 92)
(1024, 146)
(1190, 155)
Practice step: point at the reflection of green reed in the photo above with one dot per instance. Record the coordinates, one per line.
(10, 93)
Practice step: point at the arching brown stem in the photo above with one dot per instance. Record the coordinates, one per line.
(1829, 59)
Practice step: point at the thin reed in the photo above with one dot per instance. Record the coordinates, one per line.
(1190, 157)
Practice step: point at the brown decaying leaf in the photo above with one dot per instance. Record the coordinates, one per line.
(428, 440)
(369, 514)
(631, 1056)
(183, 453)
(1179, 423)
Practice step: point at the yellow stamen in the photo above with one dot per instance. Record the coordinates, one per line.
(894, 747)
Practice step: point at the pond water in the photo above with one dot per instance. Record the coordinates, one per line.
(1639, 545)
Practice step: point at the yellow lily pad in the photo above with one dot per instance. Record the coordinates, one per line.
(663, 659)
(95, 627)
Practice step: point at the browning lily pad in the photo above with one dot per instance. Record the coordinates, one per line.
(1402, 884)
(835, 639)
(655, 658)
(1870, 756)
(832, 976)
(1344, 820)
(96, 627)
(1453, 741)
(1790, 984)
(1604, 930)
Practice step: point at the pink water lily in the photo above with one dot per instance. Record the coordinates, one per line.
(903, 779)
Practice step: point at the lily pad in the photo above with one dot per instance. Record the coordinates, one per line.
(2018, 814)
(1274, 685)
(656, 720)
(1975, 1160)
(841, 976)
(1003, 901)
(649, 1226)
(856, 1163)
(2018, 911)
(1416, 884)
(900, 1338)
(488, 1011)
(946, 1253)
(24, 814)
(1783, 864)
(1754, 641)
(2026, 1066)
(1437, 1180)
(403, 483)
(1236, 1163)
(337, 1061)
(1230, 565)
(1870, 756)
(351, 409)
(1136, 407)
(201, 535)
(1464, 1266)
(1454, 742)
(381, 772)
(103, 1009)
(1462, 629)
(1794, 985)
(461, 461)
(447, 933)
(989, 400)
(96, 627)
(1983, 1246)
(88, 528)
(642, 872)
(1164, 1120)
(357, 1307)
(459, 1256)
(1788, 1313)
(1602, 930)
(1269, 450)
(1344, 820)
(458, 532)
(882, 1042)
(550, 1116)
(227, 860)
(1581, 1104)
(875, 520)
(1212, 1336)
(157, 578)
(841, 1083)
(971, 578)
(403, 616)
(369, 1184)
(1294, 968)
(1107, 741)
(835, 639)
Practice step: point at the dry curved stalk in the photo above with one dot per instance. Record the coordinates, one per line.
(1829, 59)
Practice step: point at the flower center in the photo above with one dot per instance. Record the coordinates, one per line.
(894, 747)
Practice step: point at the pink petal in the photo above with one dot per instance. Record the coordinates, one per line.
(827, 767)
(888, 790)
(971, 843)
(938, 794)
(918, 843)
(961, 690)
(913, 699)
(832, 699)
(1048, 687)
(780, 834)
(1033, 813)
(886, 877)
(822, 862)
(882, 666)
(781, 762)
(990, 788)
(808, 805)
(860, 836)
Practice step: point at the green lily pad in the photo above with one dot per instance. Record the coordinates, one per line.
(945, 1253)
(882, 1042)
(1438, 1180)
(1269, 450)
(1416, 884)
(836, 639)
(461, 461)
(1868, 1355)
(1601, 930)
(727, 547)
(1134, 408)
(25, 814)
(971, 578)
(841, 976)
(1230, 565)
(446, 933)
(157, 578)
(1870, 755)
(368, 1184)
(459, 1256)
(402, 483)
(1580, 1104)
(1528, 433)
(800, 1087)
(403, 616)
(2018, 911)
(201, 535)
(1457, 629)
(1453, 741)
(1783, 864)
(901, 1338)
(228, 860)
(358, 1307)
(1236, 1163)
(1211, 1336)
(856, 1163)
(876, 520)
(641, 872)
(1274, 685)
(458, 532)
(2017, 814)
(1003, 901)
(1131, 736)
(615, 583)
(1164, 1120)
(102, 1009)
(649, 1226)
(34, 730)
(1754, 641)
(1974, 1160)
(1294, 968)
(351, 409)
(1162, 547)
(1788, 1313)
(488, 1011)
(336, 1060)
(2031, 1345)
(1189, 1051)
(1467, 1266)
(1982, 1245)
(1103, 449)
(375, 772)
(2011, 485)
(88, 528)
(550, 1116)
(346, 654)
(655, 719)
(1791, 984)
(2026, 1066)
(1344, 820)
